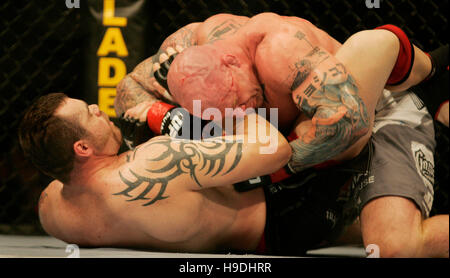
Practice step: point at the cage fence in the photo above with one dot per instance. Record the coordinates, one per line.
(48, 47)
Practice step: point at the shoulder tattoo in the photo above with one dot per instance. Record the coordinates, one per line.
(179, 157)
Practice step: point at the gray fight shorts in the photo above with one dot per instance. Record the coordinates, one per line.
(312, 208)
(403, 163)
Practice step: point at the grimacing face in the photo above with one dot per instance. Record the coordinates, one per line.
(104, 135)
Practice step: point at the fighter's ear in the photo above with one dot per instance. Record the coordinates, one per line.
(82, 148)
(230, 60)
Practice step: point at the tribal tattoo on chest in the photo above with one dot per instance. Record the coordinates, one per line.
(178, 157)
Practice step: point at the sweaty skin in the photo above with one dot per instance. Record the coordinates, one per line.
(225, 217)
(277, 66)
(166, 194)
(216, 218)
(241, 215)
(308, 52)
(201, 76)
(140, 84)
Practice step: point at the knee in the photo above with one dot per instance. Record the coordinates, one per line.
(394, 250)
(397, 246)
(394, 225)
(374, 52)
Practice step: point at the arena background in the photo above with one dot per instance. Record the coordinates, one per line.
(48, 47)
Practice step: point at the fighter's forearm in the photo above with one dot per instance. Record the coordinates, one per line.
(141, 85)
(338, 117)
(129, 94)
(196, 165)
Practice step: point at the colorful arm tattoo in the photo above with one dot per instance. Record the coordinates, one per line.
(330, 99)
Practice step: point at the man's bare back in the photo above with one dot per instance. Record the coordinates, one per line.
(285, 63)
(325, 93)
(140, 85)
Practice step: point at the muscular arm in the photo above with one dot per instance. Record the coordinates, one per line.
(140, 85)
(327, 94)
(337, 93)
(141, 80)
(333, 114)
(129, 94)
(348, 94)
(164, 166)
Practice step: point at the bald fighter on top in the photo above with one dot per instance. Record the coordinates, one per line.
(275, 61)
(282, 62)
(326, 93)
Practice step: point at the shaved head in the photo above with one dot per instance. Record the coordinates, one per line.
(203, 73)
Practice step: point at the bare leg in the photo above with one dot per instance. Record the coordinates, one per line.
(370, 56)
(351, 235)
(395, 224)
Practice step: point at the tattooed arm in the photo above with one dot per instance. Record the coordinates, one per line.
(140, 85)
(327, 94)
(336, 93)
(129, 94)
(164, 165)
(340, 100)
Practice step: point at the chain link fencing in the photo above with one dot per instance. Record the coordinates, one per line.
(45, 45)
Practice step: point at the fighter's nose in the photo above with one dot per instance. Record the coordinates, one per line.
(95, 110)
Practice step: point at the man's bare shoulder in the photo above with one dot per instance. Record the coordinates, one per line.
(219, 26)
(267, 19)
(225, 16)
(266, 16)
(59, 218)
(46, 205)
(49, 194)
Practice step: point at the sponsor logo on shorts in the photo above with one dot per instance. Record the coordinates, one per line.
(360, 181)
(331, 217)
(417, 101)
(423, 158)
